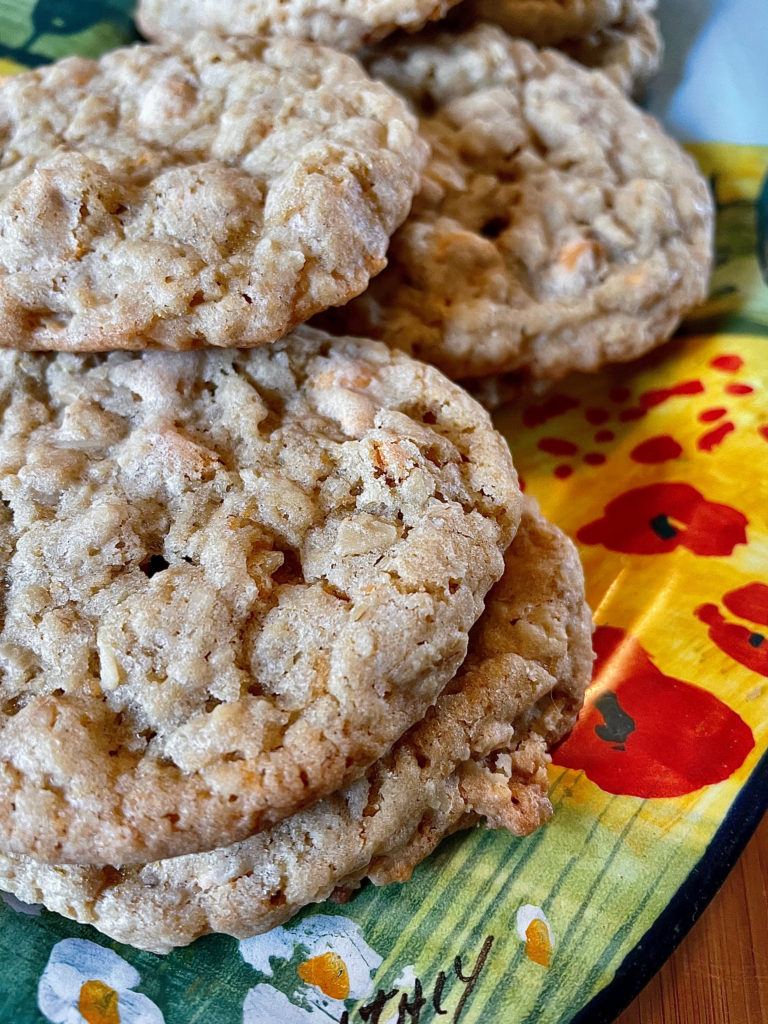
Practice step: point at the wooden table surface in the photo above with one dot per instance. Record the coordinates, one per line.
(719, 973)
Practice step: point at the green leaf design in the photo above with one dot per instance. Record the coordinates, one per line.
(55, 28)
(62, 17)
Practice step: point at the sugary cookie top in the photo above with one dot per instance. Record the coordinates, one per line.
(231, 580)
(343, 24)
(216, 194)
(479, 753)
(557, 227)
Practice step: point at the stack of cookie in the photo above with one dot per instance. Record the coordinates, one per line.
(276, 615)
(557, 227)
(245, 661)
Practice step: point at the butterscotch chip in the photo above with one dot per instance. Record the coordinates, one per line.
(557, 228)
(479, 754)
(344, 24)
(215, 194)
(231, 580)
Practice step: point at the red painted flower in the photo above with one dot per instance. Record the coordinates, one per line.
(747, 646)
(660, 517)
(646, 734)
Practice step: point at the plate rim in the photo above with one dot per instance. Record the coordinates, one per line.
(658, 943)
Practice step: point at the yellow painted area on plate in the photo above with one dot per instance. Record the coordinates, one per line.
(655, 597)
(741, 168)
(10, 67)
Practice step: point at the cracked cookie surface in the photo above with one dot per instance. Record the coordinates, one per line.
(557, 227)
(479, 754)
(231, 580)
(343, 24)
(215, 194)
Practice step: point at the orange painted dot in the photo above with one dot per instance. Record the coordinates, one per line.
(537, 945)
(328, 972)
(98, 1003)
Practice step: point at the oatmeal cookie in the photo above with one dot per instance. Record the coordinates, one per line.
(231, 580)
(480, 754)
(550, 22)
(629, 54)
(216, 194)
(343, 24)
(557, 228)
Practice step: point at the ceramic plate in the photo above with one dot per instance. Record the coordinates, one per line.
(660, 471)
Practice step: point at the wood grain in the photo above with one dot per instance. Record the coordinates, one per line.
(719, 973)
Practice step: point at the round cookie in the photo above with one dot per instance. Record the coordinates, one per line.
(549, 22)
(480, 753)
(630, 55)
(557, 228)
(216, 194)
(231, 580)
(343, 24)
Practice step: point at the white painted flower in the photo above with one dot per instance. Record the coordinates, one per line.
(405, 980)
(84, 982)
(31, 909)
(338, 964)
(266, 1004)
(535, 931)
